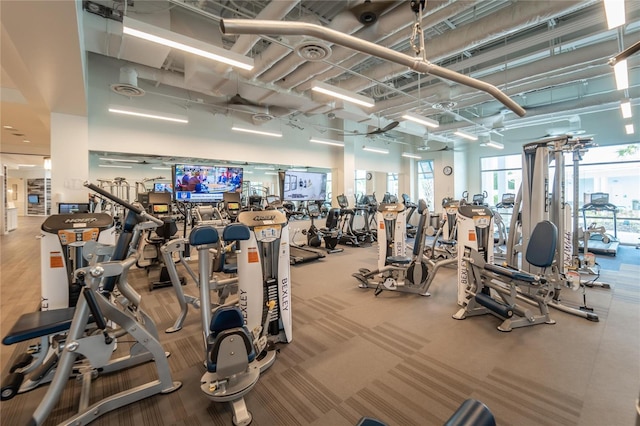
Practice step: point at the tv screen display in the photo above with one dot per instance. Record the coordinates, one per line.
(205, 184)
(162, 187)
(73, 208)
(304, 186)
(160, 208)
(33, 198)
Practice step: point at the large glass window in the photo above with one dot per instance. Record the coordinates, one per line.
(392, 184)
(426, 183)
(500, 175)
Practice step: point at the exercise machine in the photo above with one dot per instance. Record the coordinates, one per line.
(97, 323)
(411, 208)
(315, 235)
(601, 242)
(486, 288)
(235, 356)
(396, 271)
(500, 227)
(444, 242)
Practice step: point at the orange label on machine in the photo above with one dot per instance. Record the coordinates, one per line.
(381, 225)
(55, 260)
(472, 235)
(252, 255)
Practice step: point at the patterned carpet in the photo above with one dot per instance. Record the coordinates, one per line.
(397, 357)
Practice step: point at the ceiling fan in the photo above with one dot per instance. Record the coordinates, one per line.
(376, 131)
(259, 112)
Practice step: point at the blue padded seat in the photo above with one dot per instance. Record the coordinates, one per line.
(39, 324)
(203, 235)
(227, 321)
(236, 232)
(541, 248)
(399, 260)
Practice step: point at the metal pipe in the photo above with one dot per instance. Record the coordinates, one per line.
(244, 26)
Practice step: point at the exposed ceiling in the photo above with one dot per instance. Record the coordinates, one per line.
(549, 56)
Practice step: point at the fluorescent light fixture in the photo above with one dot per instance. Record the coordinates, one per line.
(299, 169)
(173, 40)
(629, 129)
(625, 106)
(113, 166)
(376, 150)
(119, 160)
(622, 76)
(270, 173)
(466, 135)
(146, 114)
(249, 172)
(26, 141)
(425, 121)
(326, 141)
(343, 94)
(264, 168)
(7, 127)
(410, 155)
(494, 144)
(47, 163)
(26, 165)
(258, 132)
(161, 168)
(614, 10)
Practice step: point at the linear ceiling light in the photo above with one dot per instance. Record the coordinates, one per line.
(622, 76)
(173, 40)
(298, 169)
(376, 150)
(466, 135)
(270, 173)
(629, 129)
(326, 141)
(494, 144)
(258, 132)
(113, 166)
(343, 94)
(119, 160)
(625, 106)
(161, 168)
(264, 168)
(410, 155)
(26, 165)
(425, 121)
(139, 113)
(614, 10)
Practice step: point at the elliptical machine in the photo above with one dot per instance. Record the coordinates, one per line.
(315, 236)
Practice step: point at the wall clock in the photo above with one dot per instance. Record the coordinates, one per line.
(447, 170)
(369, 176)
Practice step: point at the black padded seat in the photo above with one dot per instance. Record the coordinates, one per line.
(541, 248)
(40, 323)
(227, 321)
(399, 260)
(510, 273)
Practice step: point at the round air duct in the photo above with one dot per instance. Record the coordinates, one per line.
(128, 85)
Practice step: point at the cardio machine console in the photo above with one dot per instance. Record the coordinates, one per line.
(77, 226)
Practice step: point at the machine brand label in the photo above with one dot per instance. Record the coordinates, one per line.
(81, 220)
(243, 301)
(284, 303)
(263, 218)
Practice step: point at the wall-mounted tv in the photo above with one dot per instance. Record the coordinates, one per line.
(205, 184)
(304, 186)
(33, 199)
(162, 187)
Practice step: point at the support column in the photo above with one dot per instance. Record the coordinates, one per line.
(69, 159)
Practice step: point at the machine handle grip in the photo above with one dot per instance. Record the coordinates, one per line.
(123, 203)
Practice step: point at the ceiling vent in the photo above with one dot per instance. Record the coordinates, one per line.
(313, 50)
(128, 85)
(260, 118)
(445, 105)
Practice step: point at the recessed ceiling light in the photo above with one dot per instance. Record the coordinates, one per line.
(7, 127)
(26, 141)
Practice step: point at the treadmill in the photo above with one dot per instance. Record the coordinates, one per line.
(297, 254)
(598, 243)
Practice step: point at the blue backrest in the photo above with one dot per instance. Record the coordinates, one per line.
(226, 317)
(541, 249)
(422, 222)
(203, 235)
(236, 232)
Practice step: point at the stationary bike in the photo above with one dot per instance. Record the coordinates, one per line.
(315, 236)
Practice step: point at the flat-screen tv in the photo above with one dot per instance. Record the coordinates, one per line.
(33, 199)
(304, 186)
(205, 184)
(162, 187)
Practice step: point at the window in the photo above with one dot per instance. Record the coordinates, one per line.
(500, 175)
(425, 183)
(360, 183)
(392, 183)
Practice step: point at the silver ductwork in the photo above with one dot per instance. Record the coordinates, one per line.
(243, 26)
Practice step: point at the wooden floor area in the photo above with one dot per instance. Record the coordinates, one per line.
(397, 357)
